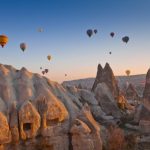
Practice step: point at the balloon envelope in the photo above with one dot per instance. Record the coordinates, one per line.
(49, 57)
(89, 32)
(40, 30)
(46, 70)
(127, 72)
(3, 40)
(23, 46)
(95, 31)
(112, 34)
(125, 39)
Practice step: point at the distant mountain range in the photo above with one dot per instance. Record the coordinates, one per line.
(137, 80)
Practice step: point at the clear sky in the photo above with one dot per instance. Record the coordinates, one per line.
(65, 23)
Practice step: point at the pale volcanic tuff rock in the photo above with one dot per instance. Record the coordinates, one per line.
(106, 75)
(131, 93)
(5, 134)
(98, 76)
(106, 100)
(29, 121)
(81, 136)
(142, 113)
(94, 142)
(146, 93)
(86, 96)
(39, 114)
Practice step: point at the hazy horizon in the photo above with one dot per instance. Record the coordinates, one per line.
(64, 37)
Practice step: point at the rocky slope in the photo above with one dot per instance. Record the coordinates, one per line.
(39, 114)
(134, 119)
(106, 76)
(123, 81)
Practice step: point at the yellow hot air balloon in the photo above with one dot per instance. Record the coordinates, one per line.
(49, 57)
(3, 40)
(127, 72)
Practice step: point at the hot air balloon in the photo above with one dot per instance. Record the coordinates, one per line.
(43, 72)
(40, 30)
(46, 70)
(110, 53)
(65, 75)
(125, 39)
(40, 67)
(23, 46)
(89, 32)
(49, 57)
(127, 72)
(112, 34)
(95, 31)
(3, 40)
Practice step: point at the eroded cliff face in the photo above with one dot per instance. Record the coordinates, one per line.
(38, 114)
(106, 75)
(146, 93)
(131, 93)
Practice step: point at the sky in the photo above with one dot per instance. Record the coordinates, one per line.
(64, 37)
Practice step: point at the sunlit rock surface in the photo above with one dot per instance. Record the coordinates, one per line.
(39, 114)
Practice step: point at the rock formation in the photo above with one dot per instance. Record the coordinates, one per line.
(106, 75)
(107, 101)
(29, 121)
(5, 134)
(13, 123)
(142, 113)
(39, 114)
(131, 93)
(98, 76)
(146, 93)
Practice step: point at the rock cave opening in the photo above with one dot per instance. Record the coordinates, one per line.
(27, 126)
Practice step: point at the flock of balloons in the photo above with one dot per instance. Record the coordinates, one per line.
(90, 33)
(23, 47)
(46, 70)
(125, 39)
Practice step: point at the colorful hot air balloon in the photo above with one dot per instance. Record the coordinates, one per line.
(46, 70)
(49, 57)
(95, 31)
(3, 40)
(125, 39)
(112, 34)
(23, 46)
(127, 72)
(89, 32)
